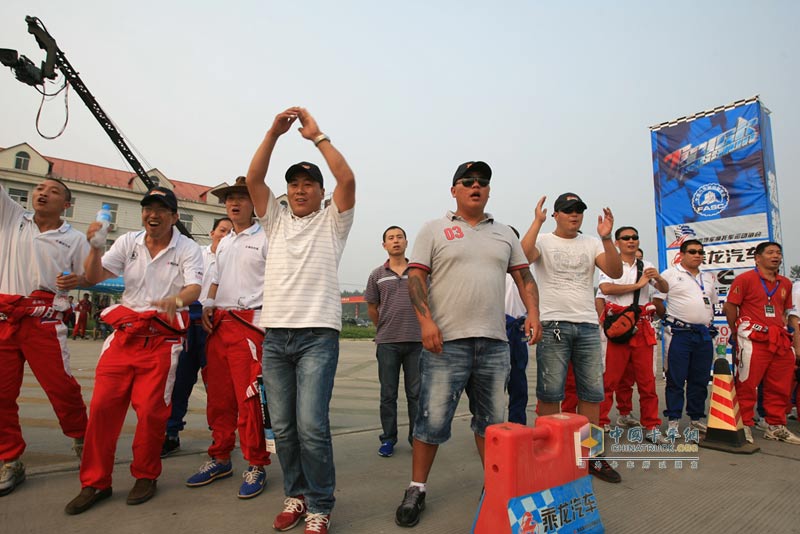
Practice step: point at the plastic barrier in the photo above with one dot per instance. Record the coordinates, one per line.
(521, 460)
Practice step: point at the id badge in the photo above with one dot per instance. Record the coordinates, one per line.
(707, 302)
(769, 310)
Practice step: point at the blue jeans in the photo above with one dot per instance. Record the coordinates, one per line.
(479, 365)
(691, 352)
(299, 367)
(517, 379)
(190, 361)
(391, 357)
(562, 342)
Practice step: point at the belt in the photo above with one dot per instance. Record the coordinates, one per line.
(672, 321)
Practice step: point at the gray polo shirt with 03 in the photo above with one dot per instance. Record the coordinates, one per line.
(467, 267)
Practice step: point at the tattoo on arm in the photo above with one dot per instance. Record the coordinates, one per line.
(418, 293)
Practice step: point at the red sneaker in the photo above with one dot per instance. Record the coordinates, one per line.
(317, 523)
(294, 509)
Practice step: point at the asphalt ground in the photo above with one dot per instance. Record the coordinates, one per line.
(721, 493)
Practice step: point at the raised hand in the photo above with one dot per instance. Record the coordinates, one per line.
(605, 223)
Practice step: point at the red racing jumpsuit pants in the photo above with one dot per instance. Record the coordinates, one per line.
(233, 363)
(764, 357)
(136, 367)
(30, 330)
(638, 352)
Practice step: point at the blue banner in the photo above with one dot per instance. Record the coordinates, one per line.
(568, 508)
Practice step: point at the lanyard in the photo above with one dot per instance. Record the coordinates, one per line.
(764, 285)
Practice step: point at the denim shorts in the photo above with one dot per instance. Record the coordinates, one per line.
(578, 343)
(478, 365)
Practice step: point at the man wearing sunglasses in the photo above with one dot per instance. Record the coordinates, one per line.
(638, 350)
(462, 319)
(689, 316)
(565, 261)
(756, 309)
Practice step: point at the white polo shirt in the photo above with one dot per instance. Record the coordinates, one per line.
(30, 259)
(239, 270)
(209, 259)
(629, 275)
(690, 299)
(301, 283)
(795, 299)
(150, 279)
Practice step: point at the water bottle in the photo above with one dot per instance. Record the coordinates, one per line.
(61, 300)
(104, 217)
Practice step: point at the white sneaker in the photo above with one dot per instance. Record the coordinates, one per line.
(628, 421)
(699, 425)
(654, 436)
(12, 474)
(674, 428)
(781, 433)
(748, 434)
(761, 424)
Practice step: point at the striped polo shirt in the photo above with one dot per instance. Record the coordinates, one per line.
(397, 322)
(301, 282)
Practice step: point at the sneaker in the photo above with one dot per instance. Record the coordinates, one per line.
(255, 480)
(317, 523)
(781, 433)
(628, 421)
(674, 428)
(77, 447)
(171, 444)
(407, 514)
(748, 434)
(386, 449)
(699, 425)
(294, 509)
(761, 424)
(86, 499)
(654, 436)
(602, 470)
(142, 491)
(12, 474)
(209, 472)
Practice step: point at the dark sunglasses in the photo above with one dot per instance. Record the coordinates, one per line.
(468, 182)
(633, 237)
(572, 210)
(694, 251)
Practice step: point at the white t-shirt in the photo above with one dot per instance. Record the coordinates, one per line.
(629, 272)
(239, 270)
(301, 283)
(209, 259)
(690, 299)
(795, 299)
(514, 305)
(30, 259)
(565, 275)
(150, 279)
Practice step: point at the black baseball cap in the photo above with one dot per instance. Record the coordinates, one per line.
(305, 167)
(569, 200)
(163, 195)
(479, 166)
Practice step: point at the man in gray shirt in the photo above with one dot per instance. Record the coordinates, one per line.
(467, 255)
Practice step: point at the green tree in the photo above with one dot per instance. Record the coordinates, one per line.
(794, 272)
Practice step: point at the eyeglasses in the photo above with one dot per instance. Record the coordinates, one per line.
(468, 182)
(695, 251)
(633, 237)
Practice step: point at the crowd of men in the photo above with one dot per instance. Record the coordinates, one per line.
(260, 305)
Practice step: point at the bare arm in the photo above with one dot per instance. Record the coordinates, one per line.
(169, 304)
(418, 293)
(208, 311)
(661, 310)
(372, 311)
(528, 241)
(256, 174)
(731, 314)
(529, 293)
(609, 261)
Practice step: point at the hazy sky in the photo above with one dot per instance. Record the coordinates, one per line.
(555, 96)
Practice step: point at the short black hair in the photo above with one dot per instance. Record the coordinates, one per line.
(688, 242)
(217, 221)
(67, 190)
(622, 229)
(383, 239)
(761, 247)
